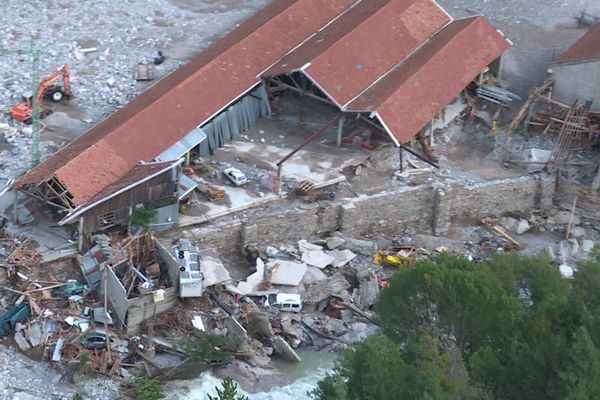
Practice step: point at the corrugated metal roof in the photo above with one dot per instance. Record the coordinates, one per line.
(418, 89)
(586, 48)
(191, 140)
(102, 155)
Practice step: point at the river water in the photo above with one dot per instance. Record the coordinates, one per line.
(304, 376)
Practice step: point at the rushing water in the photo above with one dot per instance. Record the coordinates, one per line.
(304, 375)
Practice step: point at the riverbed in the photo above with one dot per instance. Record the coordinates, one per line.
(304, 377)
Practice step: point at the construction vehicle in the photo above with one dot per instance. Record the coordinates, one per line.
(46, 89)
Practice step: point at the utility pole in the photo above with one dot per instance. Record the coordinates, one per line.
(35, 53)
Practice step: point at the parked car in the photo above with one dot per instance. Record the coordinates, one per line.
(236, 176)
(94, 340)
(284, 301)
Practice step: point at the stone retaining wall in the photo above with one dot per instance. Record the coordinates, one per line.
(422, 209)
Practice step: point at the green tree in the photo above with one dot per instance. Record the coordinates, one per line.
(228, 391)
(508, 328)
(143, 217)
(147, 389)
(208, 347)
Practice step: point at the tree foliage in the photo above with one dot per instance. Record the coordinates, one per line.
(143, 217)
(228, 391)
(507, 328)
(208, 347)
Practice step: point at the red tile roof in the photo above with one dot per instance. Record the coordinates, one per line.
(188, 98)
(367, 55)
(412, 94)
(134, 175)
(586, 48)
(356, 49)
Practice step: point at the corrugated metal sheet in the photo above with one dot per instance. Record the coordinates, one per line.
(586, 48)
(419, 88)
(191, 140)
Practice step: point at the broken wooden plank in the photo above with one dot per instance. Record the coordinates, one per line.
(528, 103)
(501, 232)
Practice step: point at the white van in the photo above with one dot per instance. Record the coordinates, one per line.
(285, 301)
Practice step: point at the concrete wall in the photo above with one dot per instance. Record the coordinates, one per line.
(577, 81)
(131, 313)
(421, 209)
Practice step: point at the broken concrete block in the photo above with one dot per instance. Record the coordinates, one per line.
(317, 258)
(563, 217)
(313, 275)
(368, 290)
(287, 272)
(577, 232)
(522, 227)
(341, 257)
(509, 223)
(21, 342)
(253, 282)
(568, 248)
(34, 334)
(362, 247)
(587, 245)
(334, 242)
(283, 348)
(304, 246)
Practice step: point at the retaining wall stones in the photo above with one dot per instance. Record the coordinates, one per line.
(421, 209)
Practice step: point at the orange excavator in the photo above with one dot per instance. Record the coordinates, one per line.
(47, 89)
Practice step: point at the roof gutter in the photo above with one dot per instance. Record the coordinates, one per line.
(78, 211)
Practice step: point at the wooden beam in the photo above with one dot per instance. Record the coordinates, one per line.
(308, 94)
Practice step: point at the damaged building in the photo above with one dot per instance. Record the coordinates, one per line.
(395, 64)
(576, 73)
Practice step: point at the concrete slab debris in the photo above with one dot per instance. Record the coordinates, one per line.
(253, 282)
(341, 257)
(368, 289)
(213, 269)
(305, 246)
(284, 349)
(334, 242)
(34, 334)
(313, 275)
(22, 342)
(317, 258)
(287, 273)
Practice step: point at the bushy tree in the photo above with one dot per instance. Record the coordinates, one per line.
(508, 328)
